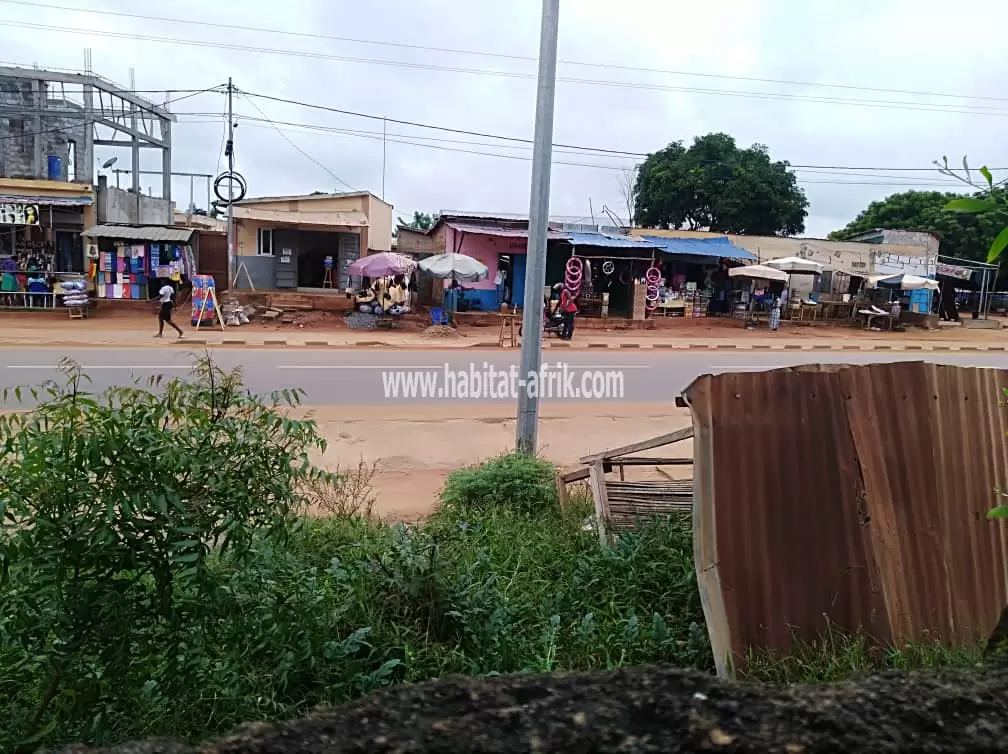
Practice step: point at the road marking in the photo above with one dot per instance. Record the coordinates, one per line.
(98, 366)
(440, 367)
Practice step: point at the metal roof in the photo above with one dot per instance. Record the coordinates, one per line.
(490, 230)
(607, 241)
(154, 233)
(702, 247)
(52, 201)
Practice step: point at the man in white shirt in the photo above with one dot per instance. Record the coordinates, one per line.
(164, 315)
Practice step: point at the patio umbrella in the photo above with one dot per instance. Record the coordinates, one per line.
(796, 266)
(382, 265)
(908, 283)
(758, 272)
(456, 267)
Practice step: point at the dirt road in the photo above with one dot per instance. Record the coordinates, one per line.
(415, 447)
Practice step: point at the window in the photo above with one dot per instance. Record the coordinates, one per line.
(17, 133)
(264, 242)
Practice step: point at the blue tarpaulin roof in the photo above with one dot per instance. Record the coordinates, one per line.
(606, 241)
(702, 247)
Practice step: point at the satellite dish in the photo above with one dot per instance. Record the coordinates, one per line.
(109, 163)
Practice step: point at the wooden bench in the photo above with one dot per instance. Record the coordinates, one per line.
(619, 504)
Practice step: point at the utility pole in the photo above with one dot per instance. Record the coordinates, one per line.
(535, 264)
(229, 151)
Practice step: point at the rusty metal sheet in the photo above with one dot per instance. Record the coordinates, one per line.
(853, 494)
(930, 439)
(778, 510)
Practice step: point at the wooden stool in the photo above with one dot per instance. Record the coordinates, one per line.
(506, 333)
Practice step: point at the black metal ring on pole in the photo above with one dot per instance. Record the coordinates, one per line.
(231, 178)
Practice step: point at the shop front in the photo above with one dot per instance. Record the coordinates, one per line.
(131, 262)
(40, 240)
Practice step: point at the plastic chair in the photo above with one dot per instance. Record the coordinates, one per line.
(438, 316)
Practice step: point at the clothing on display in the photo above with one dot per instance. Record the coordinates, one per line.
(128, 271)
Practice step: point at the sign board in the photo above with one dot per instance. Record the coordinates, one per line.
(19, 214)
(887, 263)
(955, 271)
(328, 263)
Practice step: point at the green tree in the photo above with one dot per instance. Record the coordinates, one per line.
(421, 221)
(962, 235)
(715, 185)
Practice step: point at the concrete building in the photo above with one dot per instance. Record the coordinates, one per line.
(282, 242)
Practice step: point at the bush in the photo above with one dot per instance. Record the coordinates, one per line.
(110, 508)
(515, 481)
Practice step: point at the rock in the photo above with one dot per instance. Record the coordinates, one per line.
(649, 709)
(272, 313)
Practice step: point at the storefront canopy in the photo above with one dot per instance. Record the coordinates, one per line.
(714, 248)
(151, 233)
(501, 232)
(47, 201)
(604, 241)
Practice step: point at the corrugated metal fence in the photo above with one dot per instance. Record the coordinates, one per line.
(853, 495)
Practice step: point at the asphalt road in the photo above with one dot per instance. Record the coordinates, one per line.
(369, 378)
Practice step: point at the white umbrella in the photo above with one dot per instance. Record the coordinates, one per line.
(758, 272)
(796, 266)
(455, 266)
(908, 282)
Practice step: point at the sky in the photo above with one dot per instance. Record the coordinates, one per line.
(861, 91)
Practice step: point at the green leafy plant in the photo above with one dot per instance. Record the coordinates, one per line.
(515, 480)
(990, 198)
(110, 507)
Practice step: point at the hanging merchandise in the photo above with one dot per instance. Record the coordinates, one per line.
(572, 276)
(653, 279)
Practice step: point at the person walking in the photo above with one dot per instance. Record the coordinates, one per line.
(775, 311)
(166, 295)
(568, 309)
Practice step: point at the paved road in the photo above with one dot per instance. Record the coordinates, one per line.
(365, 377)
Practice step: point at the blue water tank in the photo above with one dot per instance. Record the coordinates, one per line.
(55, 168)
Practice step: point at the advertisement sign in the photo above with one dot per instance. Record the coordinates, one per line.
(18, 214)
(954, 271)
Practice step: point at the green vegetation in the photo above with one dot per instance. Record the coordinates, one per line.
(157, 579)
(715, 185)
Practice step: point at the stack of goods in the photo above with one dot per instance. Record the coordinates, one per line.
(204, 300)
(74, 292)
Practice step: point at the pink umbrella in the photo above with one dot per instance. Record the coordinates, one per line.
(382, 265)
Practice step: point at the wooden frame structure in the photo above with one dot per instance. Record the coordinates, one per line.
(619, 503)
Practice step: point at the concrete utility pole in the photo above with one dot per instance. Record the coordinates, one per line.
(535, 264)
(229, 150)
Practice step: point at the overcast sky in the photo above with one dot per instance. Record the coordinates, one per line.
(921, 47)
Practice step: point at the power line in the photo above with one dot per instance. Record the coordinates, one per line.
(496, 55)
(299, 149)
(517, 139)
(782, 96)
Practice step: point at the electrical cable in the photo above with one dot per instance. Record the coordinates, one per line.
(496, 55)
(623, 85)
(291, 142)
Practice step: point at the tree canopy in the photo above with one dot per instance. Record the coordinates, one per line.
(968, 236)
(715, 185)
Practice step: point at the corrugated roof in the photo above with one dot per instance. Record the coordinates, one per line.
(852, 497)
(54, 201)
(491, 230)
(153, 233)
(606, 241)
(721, 247)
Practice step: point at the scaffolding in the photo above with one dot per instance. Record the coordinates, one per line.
(111, 116)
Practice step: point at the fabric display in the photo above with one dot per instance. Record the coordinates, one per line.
(203, 300)
(128, 272)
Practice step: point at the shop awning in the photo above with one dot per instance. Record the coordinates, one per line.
(485, 230)
(47, 201)
(350, 219)
(151, 233)
(601, 240)
(715, 248)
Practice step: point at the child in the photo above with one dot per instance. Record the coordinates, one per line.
(164, 314)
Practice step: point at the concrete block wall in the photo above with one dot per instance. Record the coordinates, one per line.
(18, 135)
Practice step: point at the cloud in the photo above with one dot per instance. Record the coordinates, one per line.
(916, 47)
